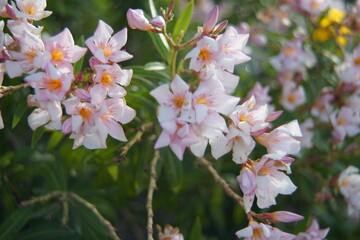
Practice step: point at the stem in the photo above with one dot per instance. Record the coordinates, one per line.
(222, 182)
(43, 198)
(135, 139)
(6, 90)
(172, 63)
(92, 208)
(65, 218)
(149, 199)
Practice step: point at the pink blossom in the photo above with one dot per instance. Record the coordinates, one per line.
(49, 113)
(137, 20)
(19, 27)
(28, 59)
(107, 48)
(178, 135)
(226, 81)
(349, 70)
(61, 50)
(158, 22)
(292, 96)
(281, 140)
(175, 103)
(31, 9)
(313, 232)
(260, 231)
(50, 85)
(307, 130)
(293, 58)
(260, 93)
(314, 7)
(281, 216)
(108, 79)
(345, 123)
(232, 45)
(211, 20)
(205, 54)
(270, 181)
(322, 106)
(349, 184)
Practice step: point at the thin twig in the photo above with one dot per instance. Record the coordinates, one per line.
(220, 180)
(6, 90)
(43, 198)
(149, 199)
(93, 209)
(135, 139)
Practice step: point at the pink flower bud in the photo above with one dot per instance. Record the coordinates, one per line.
(211, 20)
(67, 126)
(171, 5)
(243, 28)
(273, 116)
(247, 181)
(281, 216)
(137, 20)
(158, 22)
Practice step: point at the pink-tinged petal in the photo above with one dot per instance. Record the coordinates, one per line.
(67, 126)
(125, 78)
(71, 104)
(103, 32)
(1, 121)
(78, 139)
(115, 130)
(98, 94)
(158, 22)
(201, 112)
(178, 150)
(211, 20)
(284, 216)
(162, 94)
(273, 116)
(170, 127)
(245, 232)
(119, 39)
(193, 53)
(166, 113)
(127, 116)
(220, 146)
(38, 118)
(178, 85)
(55, 110)
(82, 94)
(76, 122)
(163, 140)
(116, 91)
(120, 56)
(247, 181)
(248, 202)
(99, 54)
(13, 68)
(93, 141)
(198, 149)
(76, 53)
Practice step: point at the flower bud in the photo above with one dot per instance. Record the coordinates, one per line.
(137, 20)
(281, 216)
(211, 20)
(158, 22)
(247, 181)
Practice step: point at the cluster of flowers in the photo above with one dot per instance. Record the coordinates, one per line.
(95, 103)
(337, 105)
(210, 115)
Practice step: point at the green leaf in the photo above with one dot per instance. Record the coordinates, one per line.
(50, 234)
(161, 44)
(154, 66)
(15, 222)
(54, 140)
(152, 8)
(174, 170)
(183, 22)
(37, 134)
(195, 233)
(78, 65)
(19, 112)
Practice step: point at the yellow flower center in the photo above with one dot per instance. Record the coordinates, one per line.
(357, 61)
(291, 98)
(178, 101)
(54, 84)
(314, 5)
(30, 9)
(107, 51)
(244, 118)
(57, 55)
(202, 101)
(341, 122)
(257, 233)
(288, 51)
(31, 55)
(264, 171)
(106, 80)
(85, 114)
(205, 55)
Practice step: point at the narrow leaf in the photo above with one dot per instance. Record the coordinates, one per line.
(15, 223)
(152, 8)
(183, 21)
(37, 134)
(195, 233)
(54, 140)
(19, 112)
(161, 44)
(174, 170)
(154, 66)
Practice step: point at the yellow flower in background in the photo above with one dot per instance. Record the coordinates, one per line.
(331, 27)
